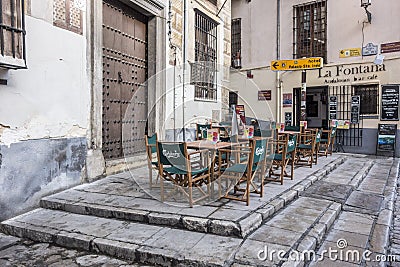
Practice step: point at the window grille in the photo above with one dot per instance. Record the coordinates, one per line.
(12, 34)
(354, 135)
(236, 44)
(309, 32)
(369, 98)
(203, 70)
(68, 15)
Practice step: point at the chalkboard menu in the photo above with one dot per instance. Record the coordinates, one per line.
(390, 103)
(332, 107)
(386, 139)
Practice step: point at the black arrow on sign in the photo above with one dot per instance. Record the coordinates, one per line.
(275, 65)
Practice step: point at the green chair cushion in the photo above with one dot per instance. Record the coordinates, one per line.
(176, 170)
(238, 168)
(303, 146)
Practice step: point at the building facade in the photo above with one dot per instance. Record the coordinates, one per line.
(357, 84)
(82, 82)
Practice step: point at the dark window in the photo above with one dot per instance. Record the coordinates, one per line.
(309, 32)
(233, 98)
(12, 34)
(67, 14)
(236, 44)
(369, 98)
(204, 68)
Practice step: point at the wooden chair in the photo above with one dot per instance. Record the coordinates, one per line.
(317, 145)
(240, 174)
(285, 153)
(175, 166)
(201, 130)
(306, 148)
(328, 142)
(151, 149)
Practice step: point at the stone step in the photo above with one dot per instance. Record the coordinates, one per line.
(125, 240)
(119, 197)
(297, 227)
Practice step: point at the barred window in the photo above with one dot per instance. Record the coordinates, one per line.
(203, 75)
(236, 44)
(12, 34)
(309, 32)
(67, 14)
(369, 98)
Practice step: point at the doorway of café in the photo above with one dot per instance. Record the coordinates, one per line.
(317, 106)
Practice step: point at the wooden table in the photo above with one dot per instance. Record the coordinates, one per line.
(213, 147)
(205, 144)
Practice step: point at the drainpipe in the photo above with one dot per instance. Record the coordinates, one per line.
(278, 55)
(184, 66)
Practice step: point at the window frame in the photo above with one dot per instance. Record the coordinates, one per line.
(236, 43)
(361, 90)
(16, 29)
(310, 29)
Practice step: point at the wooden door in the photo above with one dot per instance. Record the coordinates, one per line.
(124, 72)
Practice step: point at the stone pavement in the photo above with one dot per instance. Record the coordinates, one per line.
(346, 200)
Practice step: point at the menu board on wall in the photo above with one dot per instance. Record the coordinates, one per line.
(390, 103)
(332, 107)
(355, 109)
(386, 139)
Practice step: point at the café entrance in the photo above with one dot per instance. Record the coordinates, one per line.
(316, 106)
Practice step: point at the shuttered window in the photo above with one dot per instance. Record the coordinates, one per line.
(67, 14)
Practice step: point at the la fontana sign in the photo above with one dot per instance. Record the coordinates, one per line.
(351, 73)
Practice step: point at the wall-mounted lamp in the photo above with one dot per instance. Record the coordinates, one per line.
(365, 4)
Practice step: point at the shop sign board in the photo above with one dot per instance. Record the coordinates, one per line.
(390, 103)
(390, 47)
(386, 143)
(264, 95)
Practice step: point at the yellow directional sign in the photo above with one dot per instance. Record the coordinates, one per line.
(350, 52)
(297, 64)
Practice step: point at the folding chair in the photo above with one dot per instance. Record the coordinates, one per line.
(285, 152)
(240, 172)
(175, 166)
(151, 142)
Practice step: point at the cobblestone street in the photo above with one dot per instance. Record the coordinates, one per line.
(345, 202)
